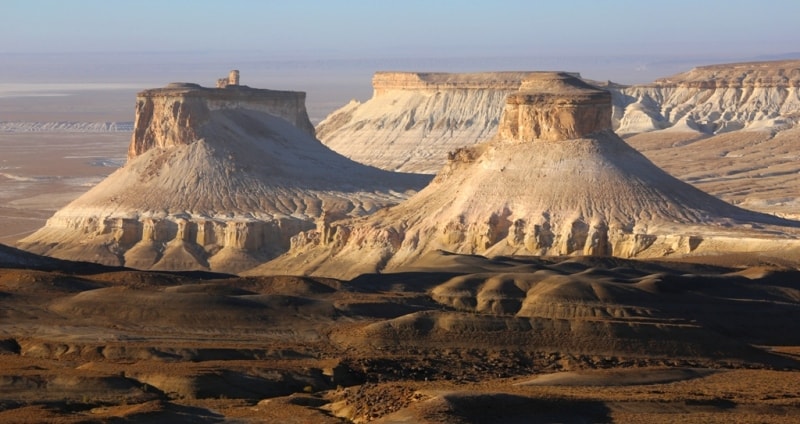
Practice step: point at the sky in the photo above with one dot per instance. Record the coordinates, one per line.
(353, 28)
(300, 44)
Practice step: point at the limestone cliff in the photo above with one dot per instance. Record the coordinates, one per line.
(171, 116)
(216, 179)
(556, 181)
(687, 125)
(414, 119)
(714, 99)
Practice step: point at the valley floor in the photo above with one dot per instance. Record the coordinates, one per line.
(631, 341)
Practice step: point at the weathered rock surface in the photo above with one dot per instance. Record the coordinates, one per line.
(579, 190)
(714, 99)
(447, 111)
(547, 109)
(216, 179)
(414, 119)
(173, 115)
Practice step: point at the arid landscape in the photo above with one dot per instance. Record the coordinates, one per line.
(217, 260)
(403, 212)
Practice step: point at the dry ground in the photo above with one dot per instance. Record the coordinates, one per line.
(42, 172)
(614, 341)
(755, 170)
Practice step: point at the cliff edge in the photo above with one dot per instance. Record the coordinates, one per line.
(415, 119)
(555, 181)
(217, 179)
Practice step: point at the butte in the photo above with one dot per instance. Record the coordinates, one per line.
(216, 178)
(555, 180)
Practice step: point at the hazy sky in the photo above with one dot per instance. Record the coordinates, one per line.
(351, 28)
(326, 45)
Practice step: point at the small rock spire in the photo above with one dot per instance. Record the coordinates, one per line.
(232, 79)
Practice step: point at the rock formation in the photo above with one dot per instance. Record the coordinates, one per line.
(448, 111)
(216, 179)
(714, 99)
(414, 119)
(555, 181)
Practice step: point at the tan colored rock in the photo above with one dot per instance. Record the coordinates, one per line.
(554, 107)
(175, 114)
(414, 119)
(590, 194)
(217, 179)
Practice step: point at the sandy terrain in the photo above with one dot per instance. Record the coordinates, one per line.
(42, 172)
(757, 170)
(458, 339)
(667, 342)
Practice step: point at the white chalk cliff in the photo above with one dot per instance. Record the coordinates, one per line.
(555, 181)
(216, 178)
(714, 99)
(414, 119)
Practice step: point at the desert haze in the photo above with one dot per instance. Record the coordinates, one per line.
(493, 247)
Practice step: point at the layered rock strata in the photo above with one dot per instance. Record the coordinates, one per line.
(173, 115)
(555, 181)
(714, 99)
(414, 119)
(216, 179)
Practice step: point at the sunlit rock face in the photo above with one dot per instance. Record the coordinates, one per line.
(413, 119)
(554, 107)
(173, 115)
(217, 179)
(714, 99)
(555, 181)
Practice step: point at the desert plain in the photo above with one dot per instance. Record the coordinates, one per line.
(451, 338)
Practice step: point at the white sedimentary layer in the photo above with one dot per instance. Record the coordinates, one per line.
(714, 99)
(586, 193)
(414, 119)
(215, 180)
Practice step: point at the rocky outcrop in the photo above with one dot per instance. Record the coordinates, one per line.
(556, 181)
(414, 119)
(172, 116)
(546, 109)
(714, 99)
(217, 179)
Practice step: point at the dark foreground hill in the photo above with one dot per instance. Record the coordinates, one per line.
(473, 340)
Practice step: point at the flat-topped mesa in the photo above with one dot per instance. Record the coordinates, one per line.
(174, 115)
(555, 106)
(777, 74)
(217, 179)
(415, 118)
(383, 82)
(556, 180)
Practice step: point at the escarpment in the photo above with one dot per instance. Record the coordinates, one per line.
(173, 115)
(414, 119)
(714, 99)
(219, 179)
(555, 181)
